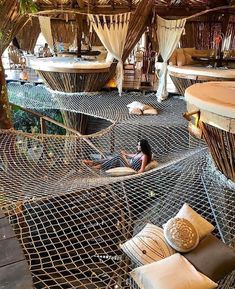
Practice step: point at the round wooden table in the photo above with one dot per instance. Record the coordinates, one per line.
(185, 76)
(69, 74)
(214, 103)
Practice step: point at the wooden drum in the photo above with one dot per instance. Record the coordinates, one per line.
(215, 102)
(69, 74)
(185, 76)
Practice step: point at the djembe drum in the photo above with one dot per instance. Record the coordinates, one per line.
(213, 103)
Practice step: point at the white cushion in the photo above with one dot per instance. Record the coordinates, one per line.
(136, 104)
(181, 235)
(120, 171)
(174, 272)
(202, 225)
(147, 246)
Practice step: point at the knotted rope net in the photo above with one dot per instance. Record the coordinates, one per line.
(70, 219)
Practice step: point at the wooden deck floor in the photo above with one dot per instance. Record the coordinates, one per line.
(14, 270)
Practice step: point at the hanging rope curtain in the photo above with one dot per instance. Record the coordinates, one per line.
(168, 34)
(112, 31)
(45, 25)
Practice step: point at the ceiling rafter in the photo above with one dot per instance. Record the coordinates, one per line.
(112, 3)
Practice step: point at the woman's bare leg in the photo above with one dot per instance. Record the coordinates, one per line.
(97, 167)
(88, 162)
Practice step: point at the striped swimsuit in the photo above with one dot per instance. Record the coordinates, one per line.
(119, 161)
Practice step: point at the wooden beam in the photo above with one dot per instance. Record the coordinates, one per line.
(80, 3)
(112, 4)
(130, 4)
(46, 118)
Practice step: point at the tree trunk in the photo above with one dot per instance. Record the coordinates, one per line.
(5, 111)
(75, 120)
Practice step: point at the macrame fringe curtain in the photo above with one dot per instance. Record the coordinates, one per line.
(45, 24)
(112, 31)
(168, 34)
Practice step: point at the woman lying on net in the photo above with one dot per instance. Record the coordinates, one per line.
(137, 161)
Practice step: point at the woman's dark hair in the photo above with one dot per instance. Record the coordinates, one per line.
(146, 149)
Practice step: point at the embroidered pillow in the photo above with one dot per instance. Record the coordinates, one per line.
(181, 234)
(147, 246)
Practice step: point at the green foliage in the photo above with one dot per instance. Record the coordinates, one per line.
(28, 6)
(29, 123)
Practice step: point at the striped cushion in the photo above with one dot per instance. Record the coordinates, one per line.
(147, 246)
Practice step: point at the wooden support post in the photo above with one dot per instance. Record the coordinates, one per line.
(43, 126)
(79, 34)
(5, 112)
(225, 23)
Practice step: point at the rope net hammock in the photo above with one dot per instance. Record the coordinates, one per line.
(71, 219)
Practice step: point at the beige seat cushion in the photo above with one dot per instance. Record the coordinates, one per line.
(189, 50)
(174, 272)
(147, 106)
(173, 58)
(212, 258)
(202, 53)
(152, 165)
(202, 225)
(181, 60)
(188, 59)
(135, 111)
(150, 111)
(120, 171)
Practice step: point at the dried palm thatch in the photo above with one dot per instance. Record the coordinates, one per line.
(28, 35)
(10, 22)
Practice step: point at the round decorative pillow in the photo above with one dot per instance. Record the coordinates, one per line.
(181, 234)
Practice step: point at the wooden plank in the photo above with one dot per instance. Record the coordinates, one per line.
(5, 229)
(16, 276)
(11, 252)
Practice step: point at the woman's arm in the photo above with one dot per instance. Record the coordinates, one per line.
(127, 154)
(143, 164)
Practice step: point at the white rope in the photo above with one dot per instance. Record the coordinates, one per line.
(70, 220)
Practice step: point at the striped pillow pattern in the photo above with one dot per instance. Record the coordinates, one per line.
(147, 246)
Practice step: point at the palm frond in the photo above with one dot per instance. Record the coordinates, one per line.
(28, 6)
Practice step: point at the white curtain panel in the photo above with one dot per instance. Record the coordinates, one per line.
(168, 34)
(112, 31)
(45, 25)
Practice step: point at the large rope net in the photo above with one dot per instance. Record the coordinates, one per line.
(70, 219)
